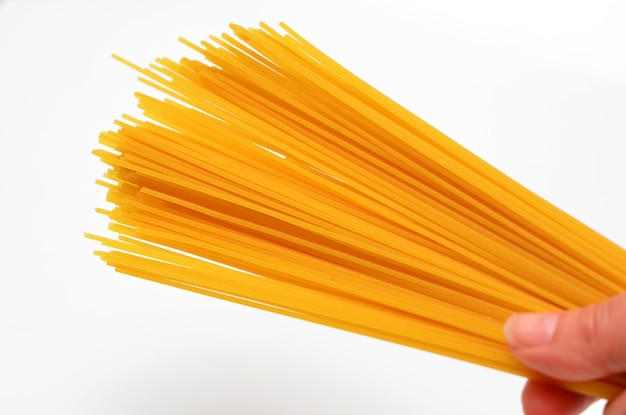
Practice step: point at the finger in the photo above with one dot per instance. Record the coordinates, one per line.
(541, 399)
(582, 344)
(617, 406)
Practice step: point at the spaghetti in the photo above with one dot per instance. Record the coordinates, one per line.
(275, 178)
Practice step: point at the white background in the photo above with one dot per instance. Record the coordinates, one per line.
(538, 88)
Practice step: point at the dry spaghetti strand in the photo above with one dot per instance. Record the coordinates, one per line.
(273, 177)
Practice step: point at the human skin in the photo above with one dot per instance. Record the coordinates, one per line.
(577, 345)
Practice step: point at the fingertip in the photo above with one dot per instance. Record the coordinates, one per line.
(540, 399)
(529, 330)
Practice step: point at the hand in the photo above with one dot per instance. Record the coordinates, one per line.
(577, 345)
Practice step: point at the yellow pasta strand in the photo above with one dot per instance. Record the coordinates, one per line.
(275, 178)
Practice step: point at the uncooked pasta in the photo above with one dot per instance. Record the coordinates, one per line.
(273, 177)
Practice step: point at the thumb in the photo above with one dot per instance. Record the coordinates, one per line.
(577, 345)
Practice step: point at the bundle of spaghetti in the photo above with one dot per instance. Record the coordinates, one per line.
(273, 177)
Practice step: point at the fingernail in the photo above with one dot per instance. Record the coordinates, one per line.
(530, 330)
